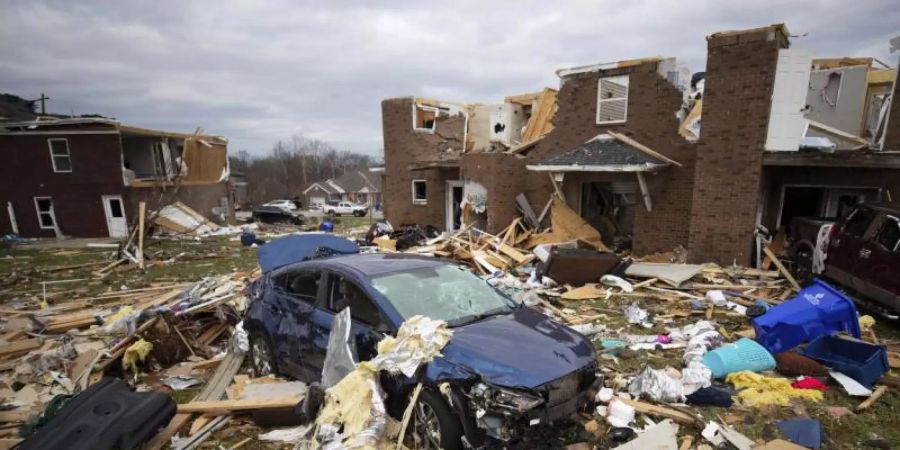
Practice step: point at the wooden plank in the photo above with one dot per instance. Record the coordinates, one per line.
(227, 406)
(519, 257)
(653, 410)
(781, 268)
(19, 347)
(527, 211)
(214, 390)
(872, 399)
(142, 211)
(15, 416)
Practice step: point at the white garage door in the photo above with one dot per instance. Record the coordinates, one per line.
(316, 201)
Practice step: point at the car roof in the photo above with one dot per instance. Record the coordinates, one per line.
(374, 264)
(889, 207)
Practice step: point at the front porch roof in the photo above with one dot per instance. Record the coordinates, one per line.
(606, 152)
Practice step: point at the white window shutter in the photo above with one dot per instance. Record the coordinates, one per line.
(786, 122)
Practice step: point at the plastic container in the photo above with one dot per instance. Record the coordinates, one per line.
(863, 362)
(326, 226)
(817, 310)
(745, 354)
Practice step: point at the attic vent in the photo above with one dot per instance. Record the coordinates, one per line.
(612, 100)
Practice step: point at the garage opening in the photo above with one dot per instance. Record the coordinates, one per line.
(822, 201)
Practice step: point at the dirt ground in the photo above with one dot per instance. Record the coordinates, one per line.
(24, 274)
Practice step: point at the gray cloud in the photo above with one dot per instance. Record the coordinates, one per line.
(260, 71)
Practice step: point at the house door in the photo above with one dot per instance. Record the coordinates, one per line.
(115, 215)
(454, 210)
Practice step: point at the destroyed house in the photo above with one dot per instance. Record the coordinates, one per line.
(85, 176)
(653, 156)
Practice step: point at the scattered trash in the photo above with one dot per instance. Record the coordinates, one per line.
(745, 354)
(638, 316)
(757, 390)
(805, 432)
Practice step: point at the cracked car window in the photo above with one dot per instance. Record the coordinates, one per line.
(447, 293)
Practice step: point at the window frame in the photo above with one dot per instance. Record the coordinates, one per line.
(872, 216)
(53, 157)
(416, 201)
(291, 274)
(37, 209)
(600, 101)
(415, 118)
(328, 298)
(889, 220)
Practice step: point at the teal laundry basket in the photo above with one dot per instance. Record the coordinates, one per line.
(745, 354)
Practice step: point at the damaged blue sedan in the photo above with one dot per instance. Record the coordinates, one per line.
(506, 367)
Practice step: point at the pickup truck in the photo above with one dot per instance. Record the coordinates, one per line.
(861, 252)
(345, 208)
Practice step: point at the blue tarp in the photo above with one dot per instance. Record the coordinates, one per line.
(296, 248)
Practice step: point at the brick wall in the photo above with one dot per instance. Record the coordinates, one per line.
(27, 172)
(404, 147)
(652, 103)
(504, 176)
(740, 72)
(892, 137)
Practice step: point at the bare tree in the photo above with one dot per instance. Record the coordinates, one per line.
(292, 165)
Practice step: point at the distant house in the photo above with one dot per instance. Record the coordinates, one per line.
(84, 176)
(361, 186)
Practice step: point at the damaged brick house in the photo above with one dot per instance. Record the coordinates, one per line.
(783, 134)
(84, 176)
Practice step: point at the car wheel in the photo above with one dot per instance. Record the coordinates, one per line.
(332, 213)
(262, 358)
(435, 425)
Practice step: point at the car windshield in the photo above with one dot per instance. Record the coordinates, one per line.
(448, 293)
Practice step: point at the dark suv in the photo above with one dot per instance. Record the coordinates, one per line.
(506, 366)
(863, 252)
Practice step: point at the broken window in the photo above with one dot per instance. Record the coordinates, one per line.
(302, 284)
(344, 294)
(424, 116)
(419, 192)
(889, 236)
(44, 207)
(612, 99)
(59, 155)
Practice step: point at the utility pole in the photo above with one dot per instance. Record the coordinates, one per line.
(43, 100)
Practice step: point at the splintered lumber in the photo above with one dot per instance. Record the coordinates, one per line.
(519, 257)
(527, 211)
(19, 347)
(872, 399)
(653, 410)
(214, 390)
(227, 406)
(15, 416)
(781, 268)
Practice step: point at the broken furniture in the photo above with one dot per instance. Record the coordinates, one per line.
(108, 415)
(578, 266)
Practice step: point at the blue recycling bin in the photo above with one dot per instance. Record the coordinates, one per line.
(326, 226)
(862, 361)
(817, 310)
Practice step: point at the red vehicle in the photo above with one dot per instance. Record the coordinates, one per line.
(863, 252)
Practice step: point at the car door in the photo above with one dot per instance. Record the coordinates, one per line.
(883, 261)
(846, 247)
(342, 292)
(297, 293)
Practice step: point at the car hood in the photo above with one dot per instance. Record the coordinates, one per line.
(524, 349)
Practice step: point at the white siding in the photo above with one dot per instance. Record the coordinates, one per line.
(786, 122)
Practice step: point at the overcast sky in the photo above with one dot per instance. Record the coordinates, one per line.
(258, 71)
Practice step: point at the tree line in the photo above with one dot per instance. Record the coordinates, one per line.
(292, 165)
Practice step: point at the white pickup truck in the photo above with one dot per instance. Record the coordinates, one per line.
(345, 208)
